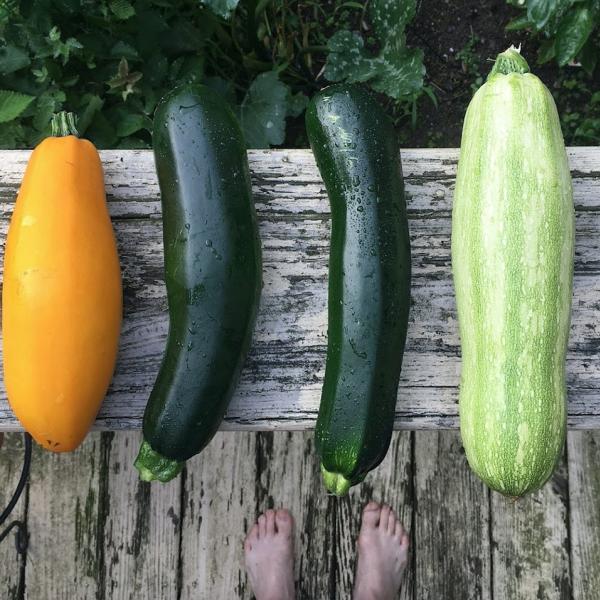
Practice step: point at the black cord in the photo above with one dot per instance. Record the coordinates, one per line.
(21, 537)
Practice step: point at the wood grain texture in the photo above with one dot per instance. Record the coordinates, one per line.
(11, 562)
(65, 555)
(392, 482)
(583, 451)
(288, 476)
(141, 525)
(452, 522)
(280, 386)
(530, 540)
(327, 527)
(98, 533)
(219, 504)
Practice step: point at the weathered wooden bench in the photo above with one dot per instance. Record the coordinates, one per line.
(280, 386)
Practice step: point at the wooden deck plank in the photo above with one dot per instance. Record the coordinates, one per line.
(452, 522)
(391, 483)
(583, 453)
(218, 507)
(531, 543)
(141, 526)
(11, 562)
(65, 556)
(288, 476)
(280, 385)
(327, 527)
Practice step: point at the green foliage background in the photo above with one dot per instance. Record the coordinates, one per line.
(110, 61)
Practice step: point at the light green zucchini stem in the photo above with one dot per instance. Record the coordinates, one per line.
(64, 123)
(509, 61)
(335, 483)
(153, 466)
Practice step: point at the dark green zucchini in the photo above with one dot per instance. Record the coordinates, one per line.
(212, 273)
(369, 281)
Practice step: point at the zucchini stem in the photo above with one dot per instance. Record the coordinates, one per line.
(63, 124)
(153, 466)
(509, 61)
(335, 483)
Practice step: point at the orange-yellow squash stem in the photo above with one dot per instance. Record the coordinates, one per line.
(61, 297)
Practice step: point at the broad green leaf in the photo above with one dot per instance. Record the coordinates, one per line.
(297, 104)
(12, 59)
(122, 9)
(589, 131)
(102, 132)
(396, 71)
(588, 57)
(263, 111)
(573, 32)
(130, 123)
(222, 8)
(540, 11)
(12, 104)
(389, 18)
(223, 87)
(11, 135)
(47, 104)
(93, 104)
(546, 51)
(519, 23)
(7, 9)
(401, 74)
(347, 59)
(123, 50)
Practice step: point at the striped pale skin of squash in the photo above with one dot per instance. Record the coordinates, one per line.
(512, 260)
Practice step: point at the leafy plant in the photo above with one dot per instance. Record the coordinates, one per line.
(394, 69)
(571, 28)
(110, 61)
(469, 60)
(579, 107)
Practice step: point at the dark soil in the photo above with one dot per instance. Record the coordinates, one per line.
(442, 28)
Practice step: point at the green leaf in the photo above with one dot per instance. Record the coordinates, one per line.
(222, 8)
(396, 71)
(389, 18)
(401, 74)
(519, 23)
(546, 51)
(12, 59)
(11, 135)
(588, 57)
(101, 132)
(297, 104)
(589, 131)
(47, 104)
(263, 110)
(93, 104)
(123, 50)
(129, 123)
(122, 9)
(573, 32)
(12, 104)
(347, 59)
(540, 11)
(223, 87)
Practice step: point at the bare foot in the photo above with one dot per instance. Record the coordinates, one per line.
(382, 553)
(270, 556)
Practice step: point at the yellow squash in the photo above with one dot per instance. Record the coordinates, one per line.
(61, 297)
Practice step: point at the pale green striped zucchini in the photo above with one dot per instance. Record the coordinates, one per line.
(512, 260)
